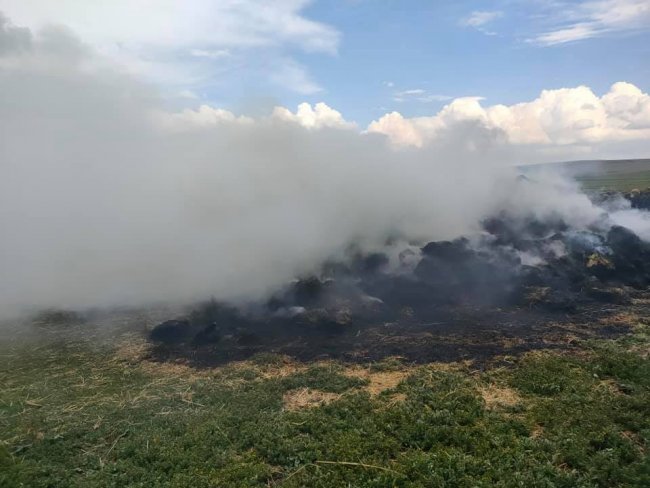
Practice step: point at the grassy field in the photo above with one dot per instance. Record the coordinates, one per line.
(618, 175)
(614, 181)
(78, 414)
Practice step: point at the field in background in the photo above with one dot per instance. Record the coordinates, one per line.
(617, 181)
(79, 412)
(620, 175)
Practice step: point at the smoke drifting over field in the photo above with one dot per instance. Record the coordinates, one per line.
(107, 198)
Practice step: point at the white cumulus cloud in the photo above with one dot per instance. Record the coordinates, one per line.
(316, 117)
(556, 118)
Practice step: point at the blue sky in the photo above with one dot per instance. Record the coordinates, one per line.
(363, 57)
(424, 45)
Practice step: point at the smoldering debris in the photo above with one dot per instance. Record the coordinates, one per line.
(639, 199)
(519, 271)
(636, 199)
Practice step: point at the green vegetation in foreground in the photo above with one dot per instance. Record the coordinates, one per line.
(75, 416)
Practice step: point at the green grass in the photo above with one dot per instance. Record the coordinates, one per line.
(77, 415)
(616, 181)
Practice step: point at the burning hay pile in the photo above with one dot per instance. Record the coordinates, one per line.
(518, 264)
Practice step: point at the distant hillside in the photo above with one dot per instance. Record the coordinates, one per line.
(618, 174)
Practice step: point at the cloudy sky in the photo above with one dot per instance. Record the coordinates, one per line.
(547, 72)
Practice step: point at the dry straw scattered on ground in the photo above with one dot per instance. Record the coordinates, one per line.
(497, 397)
(621, 318)
(378, 381)
(300, 398)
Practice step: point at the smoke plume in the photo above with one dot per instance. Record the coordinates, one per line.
(109, 198)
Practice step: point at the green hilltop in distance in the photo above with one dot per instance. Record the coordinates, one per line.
(617, 174)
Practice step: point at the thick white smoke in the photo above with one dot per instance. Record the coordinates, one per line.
(106, 200)
(103, 202)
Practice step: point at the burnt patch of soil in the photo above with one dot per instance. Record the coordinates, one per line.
(452, 334)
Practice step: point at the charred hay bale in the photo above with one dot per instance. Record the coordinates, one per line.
(445, 263)
(600, 266)
(397, 292)
(455, 273)
(307, 292)
(502, 229)
(172, 332)
(543, 228)
(583, 243)
(370, 264)
(210, 334)
(408, 258)
(214, 312)
(630, 257)
(207, 324)
(371, 306)
(624, 242)
(551, 275)
(313, 316)
(522, 232)
(567, 271)
(639, 199)
(604, 198)
(336, 269)
(323, 320)
(217, 321)
(456, 251)
(547, 298)
(534, 276)
(316, 293)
